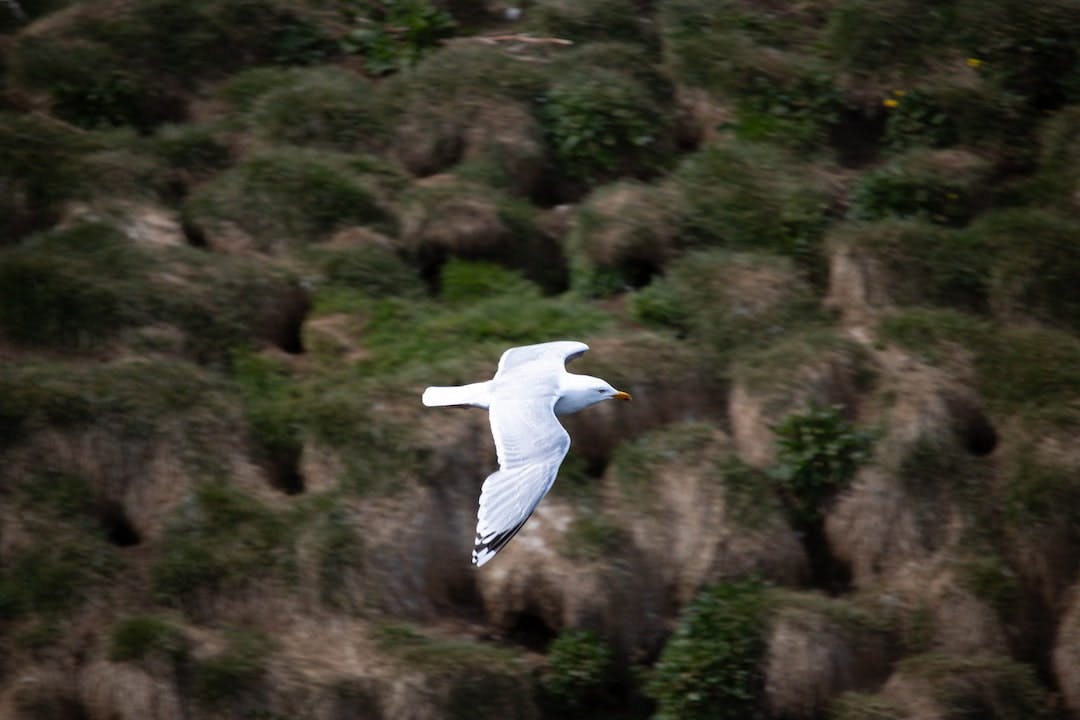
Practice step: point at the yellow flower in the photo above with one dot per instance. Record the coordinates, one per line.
(890, 102)
(974, 62)
(899, 93)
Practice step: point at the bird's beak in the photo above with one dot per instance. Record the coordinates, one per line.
(620, 395)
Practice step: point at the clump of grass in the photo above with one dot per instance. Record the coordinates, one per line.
(52, 578)
(339, 548)
(942, 187)
(285, 196)
(137, 637)
(987, 685)
(192, 151)
(222, 536)
(745, 196)
(711, 665)
(922, 263)
(591, 536)
(221, 678)
(864, 706)
(866, 36)
(463, 281)
(590, 20)
(727, 301)
(635, 463)
(326, 108)
(370, 269)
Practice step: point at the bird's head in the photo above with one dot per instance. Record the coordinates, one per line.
(581, 391)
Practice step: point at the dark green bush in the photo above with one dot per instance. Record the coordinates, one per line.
(943, 187)
(710, 669)
(603, 124)
(817, 454)
(394, 34)
(580, 673)
(139, 636)
(326, 108)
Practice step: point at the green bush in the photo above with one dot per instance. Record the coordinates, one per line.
(286, 196)
(817, 454)
(746, 196)
(1030, 48)
(394, 34)
(943, 187)
(580, 673)
(325, 107)
(711, 666)
(949, 112)
(139, 636)
(603, 124)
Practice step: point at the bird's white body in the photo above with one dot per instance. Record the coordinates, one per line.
(530, 387)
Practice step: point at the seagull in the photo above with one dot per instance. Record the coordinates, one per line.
(530, 388)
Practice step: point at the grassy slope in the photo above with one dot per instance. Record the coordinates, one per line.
(353, 215)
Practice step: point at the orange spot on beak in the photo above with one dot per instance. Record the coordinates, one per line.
(621, 396)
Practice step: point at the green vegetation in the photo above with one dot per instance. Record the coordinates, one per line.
(635, 463)
(711, 666)
(394, 34)
(581, 671)
(235, 670)
(818, 452)
(984, 685)
(223, 537)
(140, 636)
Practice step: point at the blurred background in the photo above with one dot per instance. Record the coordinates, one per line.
(832, 247)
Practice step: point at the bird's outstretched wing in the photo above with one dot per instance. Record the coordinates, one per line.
(530, 444)
(559, 353)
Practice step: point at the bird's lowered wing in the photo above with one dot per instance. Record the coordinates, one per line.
(531, 444)
(559, 353)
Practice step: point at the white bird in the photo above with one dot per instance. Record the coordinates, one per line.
(530, 387)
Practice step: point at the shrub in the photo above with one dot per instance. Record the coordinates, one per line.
(580, 671)
(943, 187)
(974, 113)
(395, 34)
(711, 666)
(748, 197)
(326, 108)
(138, 636)
(603, 124)
(818, 452)
(284, 196)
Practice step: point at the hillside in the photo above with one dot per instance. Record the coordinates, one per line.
(832, 248)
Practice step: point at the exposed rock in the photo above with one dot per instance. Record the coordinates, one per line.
(120, 691)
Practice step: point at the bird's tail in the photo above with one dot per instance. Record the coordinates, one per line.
(475, 394)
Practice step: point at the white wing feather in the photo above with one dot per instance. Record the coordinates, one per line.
(559, 352)
(531, 445)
